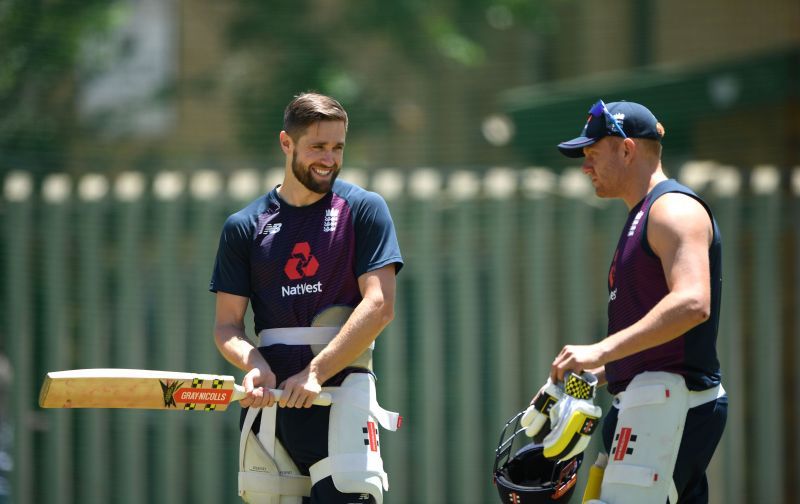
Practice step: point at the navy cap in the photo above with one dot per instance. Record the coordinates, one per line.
(622, 119)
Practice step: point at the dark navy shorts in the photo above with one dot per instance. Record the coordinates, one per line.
(701, 434)
(304, 434)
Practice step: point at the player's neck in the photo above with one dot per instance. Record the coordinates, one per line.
(296, 194)
(656, 179)
(641, 187)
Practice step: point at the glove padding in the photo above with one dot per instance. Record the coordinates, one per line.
(536, 418)
(573, 418)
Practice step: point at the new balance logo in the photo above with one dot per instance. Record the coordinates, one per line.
(331, 220)
(271, 229)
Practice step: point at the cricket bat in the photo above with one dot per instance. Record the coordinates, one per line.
(144, 389)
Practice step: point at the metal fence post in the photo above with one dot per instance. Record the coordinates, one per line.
(169, 342)
(55, 230)
(207, 459)
(391, 351)
(467, 440)
(766, 343)
(93, 478)
(539, 278)
(726, 473)
(129, 340)
(427, 349)
(503, 358)
(19, 333)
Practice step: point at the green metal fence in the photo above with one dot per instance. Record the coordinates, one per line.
(502, 267)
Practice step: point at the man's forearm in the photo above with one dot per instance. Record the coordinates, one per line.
(672, 316)
(365, 323)
(236, 348)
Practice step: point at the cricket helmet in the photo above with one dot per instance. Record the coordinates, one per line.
(527, 476)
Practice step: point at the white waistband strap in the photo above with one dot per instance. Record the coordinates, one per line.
(297, 336)
(698, 397)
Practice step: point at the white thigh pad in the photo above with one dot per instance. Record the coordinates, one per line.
(652, 413)
(267, 475)
(354, 458)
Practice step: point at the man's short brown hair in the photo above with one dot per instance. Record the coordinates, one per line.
(308, 108)
(653, 146)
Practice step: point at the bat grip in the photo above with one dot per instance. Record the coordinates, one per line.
(323, 399)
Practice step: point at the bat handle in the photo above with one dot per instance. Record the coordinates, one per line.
(324, 399)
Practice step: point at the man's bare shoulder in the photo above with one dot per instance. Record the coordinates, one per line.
(678, 216)
(679, 209)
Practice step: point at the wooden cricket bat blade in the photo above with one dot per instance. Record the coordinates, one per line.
(142, 389)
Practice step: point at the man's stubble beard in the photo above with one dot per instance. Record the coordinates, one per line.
(304, 176)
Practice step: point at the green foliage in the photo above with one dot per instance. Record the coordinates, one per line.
(401, 65)
(357, 50)
(39, 45)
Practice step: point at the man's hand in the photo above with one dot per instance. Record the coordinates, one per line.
(577, 358)
(300, 390)
(257, 383)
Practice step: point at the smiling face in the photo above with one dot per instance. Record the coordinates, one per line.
(316, 156)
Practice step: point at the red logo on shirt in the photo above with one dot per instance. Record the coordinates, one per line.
(613, 272)
(302, 264)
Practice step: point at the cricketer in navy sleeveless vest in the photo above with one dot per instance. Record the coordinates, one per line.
(636, 283)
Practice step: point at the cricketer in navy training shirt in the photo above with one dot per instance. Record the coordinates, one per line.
(294, 262)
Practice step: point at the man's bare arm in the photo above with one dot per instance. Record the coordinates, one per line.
(233, 344)
(368, 319)
(679, 232)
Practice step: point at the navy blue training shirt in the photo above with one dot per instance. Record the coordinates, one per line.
(293, 262)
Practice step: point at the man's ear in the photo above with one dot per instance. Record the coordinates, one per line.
(629, 148)
(287, 144)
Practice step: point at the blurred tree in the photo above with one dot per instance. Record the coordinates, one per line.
(40, 43)
(423, 69)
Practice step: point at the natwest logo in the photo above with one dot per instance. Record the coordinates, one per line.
(302, 264)
(301, 289)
